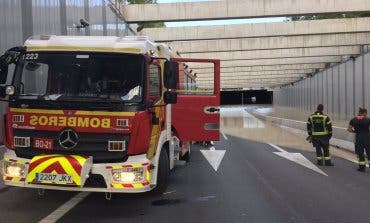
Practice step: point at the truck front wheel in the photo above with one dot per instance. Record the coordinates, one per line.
(163, 172)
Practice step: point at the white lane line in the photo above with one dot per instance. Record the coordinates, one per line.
(225, 137)
(169, 192)
(278, 148)
(66, 207)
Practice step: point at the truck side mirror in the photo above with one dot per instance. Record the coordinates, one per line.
(171, 73)
(170, 97)
(11, 56)
(3, 70)
(2, 91)
(6, 90)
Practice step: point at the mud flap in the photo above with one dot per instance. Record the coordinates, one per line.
(69, 170)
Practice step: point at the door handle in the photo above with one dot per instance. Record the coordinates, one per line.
(211, 110)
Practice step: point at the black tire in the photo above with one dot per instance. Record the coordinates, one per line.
(163, 173)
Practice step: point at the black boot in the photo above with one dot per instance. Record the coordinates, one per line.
(319, 162)
(328, 163)
(185, 157)
(361, 168)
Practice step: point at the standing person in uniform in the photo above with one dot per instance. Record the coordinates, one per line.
(360, 125)
(319, 129)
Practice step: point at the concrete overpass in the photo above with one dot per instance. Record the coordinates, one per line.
(242, 76)
(230, 72)
(269, 62)
(277, 53)
(242, 70)
(264, 43)
(315, 50)
(267, 68)
(274, 50)
(252, 84)
(232, 9)
(257, 30)
(256, 82)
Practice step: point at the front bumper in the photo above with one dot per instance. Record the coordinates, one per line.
(100, 169)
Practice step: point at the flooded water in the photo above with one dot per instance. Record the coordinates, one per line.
(240, 118)
(237, 121)
(240, 122)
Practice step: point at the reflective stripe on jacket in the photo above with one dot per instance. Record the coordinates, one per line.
(319, 124)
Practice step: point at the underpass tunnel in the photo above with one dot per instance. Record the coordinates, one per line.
(289, 62)
(278, 61)
(248, 97)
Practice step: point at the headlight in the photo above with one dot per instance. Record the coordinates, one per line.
(129, 175)
(12, 169)
(9, 90)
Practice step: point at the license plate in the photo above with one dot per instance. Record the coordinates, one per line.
(43, 143)
(54, 178)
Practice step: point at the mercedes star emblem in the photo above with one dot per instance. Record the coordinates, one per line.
(68, 139)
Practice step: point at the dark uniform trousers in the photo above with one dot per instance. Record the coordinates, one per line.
(362, 144)
(321, 143)
(361, 125)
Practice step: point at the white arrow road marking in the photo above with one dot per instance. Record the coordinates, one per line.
(214, 157)
(297, 158)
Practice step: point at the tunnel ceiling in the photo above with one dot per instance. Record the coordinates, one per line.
(264, 55)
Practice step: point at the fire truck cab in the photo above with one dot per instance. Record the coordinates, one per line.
(103, 114)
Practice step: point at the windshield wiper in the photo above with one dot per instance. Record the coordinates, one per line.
(38, 102)
(29, 96)
(106, 103)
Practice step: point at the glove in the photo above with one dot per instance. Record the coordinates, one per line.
(330, 135)
(309, 139)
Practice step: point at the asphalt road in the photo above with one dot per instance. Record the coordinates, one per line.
(252, 184)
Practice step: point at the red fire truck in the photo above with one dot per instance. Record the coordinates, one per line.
(103, 114)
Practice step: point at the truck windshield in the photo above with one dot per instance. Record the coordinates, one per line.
(68, 76)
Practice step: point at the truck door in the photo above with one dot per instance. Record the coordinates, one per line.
(196, 115)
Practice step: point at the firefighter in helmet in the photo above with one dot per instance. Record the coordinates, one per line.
(319, 129)
(360, 125)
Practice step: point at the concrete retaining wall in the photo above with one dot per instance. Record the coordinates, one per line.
(341, 88)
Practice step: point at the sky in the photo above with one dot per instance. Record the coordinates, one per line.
(217, 22)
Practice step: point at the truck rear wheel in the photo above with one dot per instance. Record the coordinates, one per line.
(163, 172)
